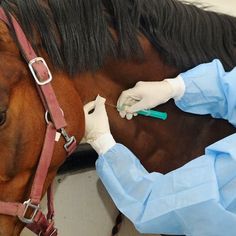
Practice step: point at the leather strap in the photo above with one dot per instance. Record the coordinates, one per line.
(50, 196)
(44, 163)
(42, 226)
(11, 208)
(48, 95)
(3, 16)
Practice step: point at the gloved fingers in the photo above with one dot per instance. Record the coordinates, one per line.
(130, 116)
(100, 100)
(138, 106)
(122, 114)
(127, 96)
(89, 107)
(123, 110)
(127, 115)
(95, 113)
(98, 104)
(129, 102)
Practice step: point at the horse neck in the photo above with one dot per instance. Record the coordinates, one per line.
(110, 81)
(118, 75)
(155, 142)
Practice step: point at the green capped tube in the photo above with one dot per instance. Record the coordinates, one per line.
(154, 114)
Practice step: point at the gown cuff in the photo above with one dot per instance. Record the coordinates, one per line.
(178, 87)
(102, 144)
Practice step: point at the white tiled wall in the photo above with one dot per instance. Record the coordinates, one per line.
(226, 6)
(82, 205)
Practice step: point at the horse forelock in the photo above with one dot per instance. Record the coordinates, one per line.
(76, 33)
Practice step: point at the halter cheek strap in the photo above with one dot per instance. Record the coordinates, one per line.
(29, 212)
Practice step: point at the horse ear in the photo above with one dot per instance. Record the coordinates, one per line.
(6, 40)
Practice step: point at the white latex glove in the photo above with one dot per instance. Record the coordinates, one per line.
(146, 95)
(97, 129)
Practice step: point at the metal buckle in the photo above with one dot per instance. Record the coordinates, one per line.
(47, 116)
(28, 205)
(69, 140)
(40, 59)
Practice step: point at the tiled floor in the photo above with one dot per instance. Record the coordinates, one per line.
(82, 205)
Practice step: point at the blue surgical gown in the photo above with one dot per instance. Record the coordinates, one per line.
(210, 90)
(198, 199)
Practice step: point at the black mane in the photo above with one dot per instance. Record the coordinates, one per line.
(183, 34)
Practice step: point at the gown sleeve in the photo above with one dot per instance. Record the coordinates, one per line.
(210, 90)
(197, 199)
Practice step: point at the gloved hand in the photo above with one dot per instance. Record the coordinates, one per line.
(146, 95)
(97, 129)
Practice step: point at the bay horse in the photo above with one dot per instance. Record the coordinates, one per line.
(103, 47)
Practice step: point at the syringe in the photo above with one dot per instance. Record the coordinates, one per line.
(148, 112)
(154, 114)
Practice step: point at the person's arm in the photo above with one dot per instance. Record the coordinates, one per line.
(150, 200)
(190, 200)
(205, 89)
(210, 90)
(175, 203)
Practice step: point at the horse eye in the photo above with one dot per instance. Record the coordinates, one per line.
(3, 116)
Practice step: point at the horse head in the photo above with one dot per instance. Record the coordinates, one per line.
(23, 127)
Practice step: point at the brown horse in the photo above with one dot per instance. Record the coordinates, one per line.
(104, 47)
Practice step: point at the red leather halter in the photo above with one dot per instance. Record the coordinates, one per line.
(29, 212)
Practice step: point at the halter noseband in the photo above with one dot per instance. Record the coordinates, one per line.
(29, 212)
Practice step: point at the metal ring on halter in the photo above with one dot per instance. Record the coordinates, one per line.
(29, 205)
(47, 116)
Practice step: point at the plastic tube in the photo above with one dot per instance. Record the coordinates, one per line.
(154, 114)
